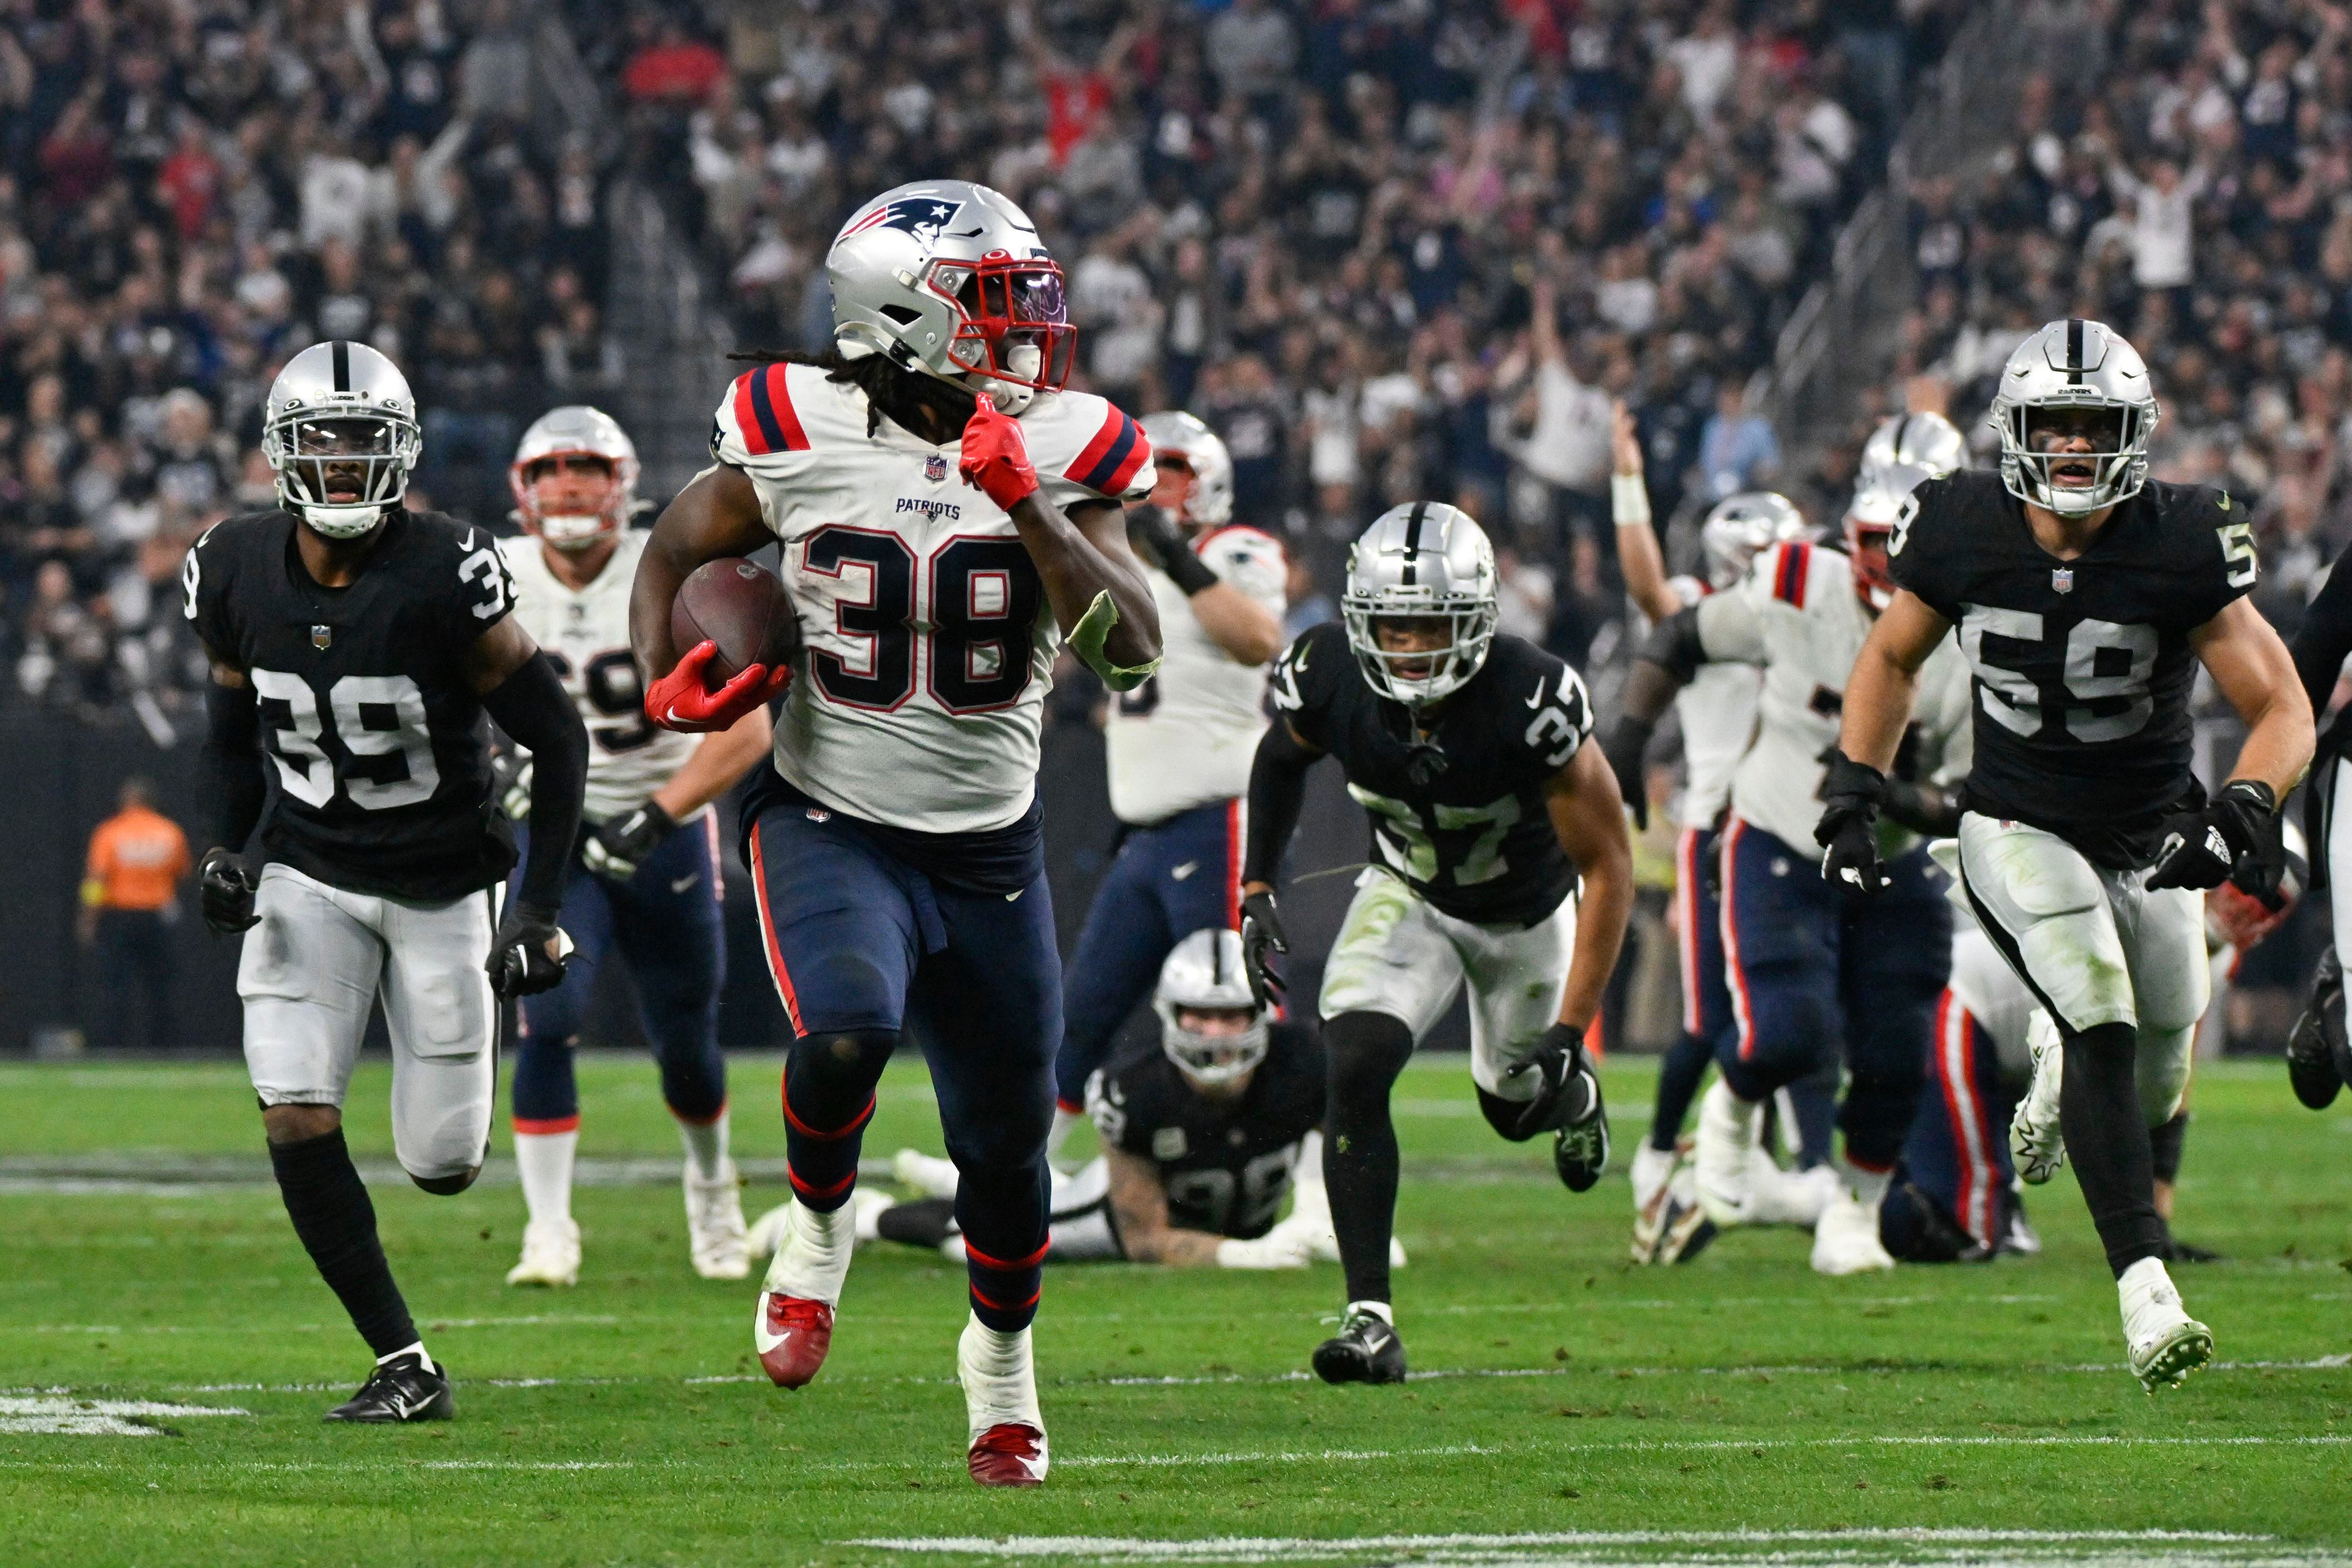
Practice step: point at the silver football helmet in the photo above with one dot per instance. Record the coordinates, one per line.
(2070, 364)
(1424, 561)
(1926, 441)
(1743, 527)
(951, 278)
(575, 430)
(1211, 504)
(339, 422)
(1206, 970)
(1870, 519)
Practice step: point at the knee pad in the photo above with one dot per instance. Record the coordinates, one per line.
(829, 1078)
(2160, 1071)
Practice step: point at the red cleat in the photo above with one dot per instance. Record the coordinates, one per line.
(792, 1334)
(1009, 1455)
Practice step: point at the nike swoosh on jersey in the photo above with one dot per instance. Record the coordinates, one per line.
(683, 883)
(1186, 869)
(1536, 700)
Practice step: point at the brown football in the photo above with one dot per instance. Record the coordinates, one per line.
(740, 605)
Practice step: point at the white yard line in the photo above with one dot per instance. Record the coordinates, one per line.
(65, 1417)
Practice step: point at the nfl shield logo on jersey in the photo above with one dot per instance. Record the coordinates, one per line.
(935, 468)
(322, 637)
(2061, 579)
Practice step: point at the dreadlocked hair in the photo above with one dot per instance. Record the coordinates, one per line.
(887, 388)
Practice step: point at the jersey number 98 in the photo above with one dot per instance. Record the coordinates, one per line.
(983, 596)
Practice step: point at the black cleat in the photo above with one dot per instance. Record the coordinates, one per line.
(406, 1388)
(2317, 1049)
(1580, 1151)
(1365, 1350)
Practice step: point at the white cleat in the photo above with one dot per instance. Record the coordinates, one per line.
(1723, 1159)
(2164, 1343)
(716, 1239)
(1847, 1239)
(927, 1173)
(2035, 1139)
(1788, 1197)
(550, 1254)
(791, 1326)
(1007, 1436)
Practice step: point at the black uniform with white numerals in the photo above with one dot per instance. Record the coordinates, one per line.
(1474, 836)
(2083, 668)
(380, 780)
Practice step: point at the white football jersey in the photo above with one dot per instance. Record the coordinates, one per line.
(1797, 613)
(930, 642)
(586, 634)
(1186, 737)
(1718, 711)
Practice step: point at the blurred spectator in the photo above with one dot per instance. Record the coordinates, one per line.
(129, 896)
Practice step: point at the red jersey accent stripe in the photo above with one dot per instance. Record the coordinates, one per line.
(993, 1305)
(985, 1261)
(805, 1131)
(1083, 468)
(783, 976)
(1796, 566)
(820, 1194)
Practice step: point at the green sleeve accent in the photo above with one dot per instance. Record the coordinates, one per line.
(1087, 637)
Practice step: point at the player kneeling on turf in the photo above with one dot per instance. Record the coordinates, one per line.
(1469, 752)
(355, 646)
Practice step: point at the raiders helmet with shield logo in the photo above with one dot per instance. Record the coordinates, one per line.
(2075, 365)
(340, 433)
(1424, 561)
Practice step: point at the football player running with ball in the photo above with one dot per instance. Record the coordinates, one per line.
(1468, 749)
(895, 844)
(354, 649)
(1179, 745)
(2085, 597)
(644, 878)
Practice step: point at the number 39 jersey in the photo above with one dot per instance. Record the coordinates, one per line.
(375, 741)
(585, 634)
(2083, 668)
(930, 645)
(1475, 839)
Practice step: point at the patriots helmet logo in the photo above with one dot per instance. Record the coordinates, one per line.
(922, 217)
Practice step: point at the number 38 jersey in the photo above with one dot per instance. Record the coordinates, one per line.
(930, 645)
(2083, 668)
(1475, 836)
(375, 741)
(585, 634)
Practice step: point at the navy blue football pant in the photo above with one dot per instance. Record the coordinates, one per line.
(1813, 971)
(1958, 1153)
(665, 924)
(858, 942)
(1167, 881)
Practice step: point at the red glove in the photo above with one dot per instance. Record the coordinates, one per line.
(680, 701)
(995, 458)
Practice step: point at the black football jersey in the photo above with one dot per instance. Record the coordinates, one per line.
(1465, 824)
(1226, 1164)
(2081, 668)
(380, 777)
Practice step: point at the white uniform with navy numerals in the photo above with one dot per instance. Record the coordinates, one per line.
(930, 643)
(1717, 713)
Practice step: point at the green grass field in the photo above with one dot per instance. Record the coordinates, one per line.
(1566, 1406)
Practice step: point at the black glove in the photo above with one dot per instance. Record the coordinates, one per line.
(1853, 793)
(1154, 534)
(1564, 1079)
(2236, 839)
(529, 954)
(1262, 935)
(1623, 748)
(617, 847)
(510, 784)
(225, 892)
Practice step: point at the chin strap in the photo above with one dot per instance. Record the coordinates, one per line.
(1087, 637)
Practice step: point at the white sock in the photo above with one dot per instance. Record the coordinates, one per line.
(545, 1162)
(815, 1256)
(1063, 1121)
(418, 1349)
(999, 1374)
(706, 1146)
(1869, 1186)
(1380, 1309)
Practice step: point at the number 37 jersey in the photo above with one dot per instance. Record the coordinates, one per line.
(373, 739)
(930, 645)
(2083, 668)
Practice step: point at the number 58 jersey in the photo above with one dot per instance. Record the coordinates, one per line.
(374, 738)
(930, 642)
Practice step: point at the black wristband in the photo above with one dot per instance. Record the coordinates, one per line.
(1189, 571)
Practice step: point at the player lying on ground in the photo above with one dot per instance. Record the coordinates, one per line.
(1179, 746)
(2085, 598)
(1815, 976)
(356, 646)
(894, 843)
(1468, 750)
(643, 881)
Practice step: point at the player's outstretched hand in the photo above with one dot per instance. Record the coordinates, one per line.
(2236, 839)
(617, 847)
(1625, 747)
(225, 892)
(1278, 1249)
(996, 457)
(529, 954)
(1262, 936)
(1853, 791)
(681, 700)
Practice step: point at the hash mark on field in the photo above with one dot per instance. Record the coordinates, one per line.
(64, 1417)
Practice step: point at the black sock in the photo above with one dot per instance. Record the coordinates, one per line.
(922, 1222)
(2106, 1137)
(1367, 1051)
(828, 1100)
(2165, 1145)
(1679, 1076)
(328, 1205)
